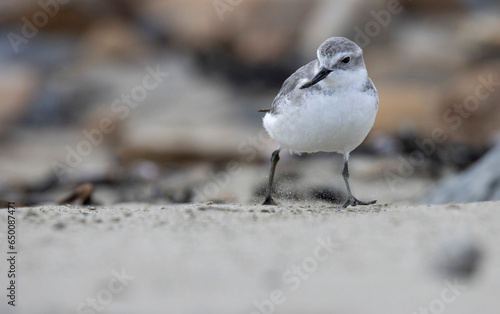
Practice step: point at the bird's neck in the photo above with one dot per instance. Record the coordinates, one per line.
(352, 79)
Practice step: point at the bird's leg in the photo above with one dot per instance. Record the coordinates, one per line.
(274, 160)
(351, 200)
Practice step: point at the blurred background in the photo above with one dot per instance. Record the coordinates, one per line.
(103, 102)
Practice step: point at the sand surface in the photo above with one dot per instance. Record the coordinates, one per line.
(300, 257)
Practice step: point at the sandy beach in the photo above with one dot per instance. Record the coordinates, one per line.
(134, 154)
(299, 257)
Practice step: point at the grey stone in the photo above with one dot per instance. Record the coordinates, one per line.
(480, 182)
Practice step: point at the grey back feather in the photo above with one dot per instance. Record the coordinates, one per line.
(291, 83)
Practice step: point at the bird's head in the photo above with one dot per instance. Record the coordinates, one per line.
(340, 63)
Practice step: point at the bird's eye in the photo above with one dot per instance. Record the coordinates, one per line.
(346, 60)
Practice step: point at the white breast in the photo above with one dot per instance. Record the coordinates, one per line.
(318, 122)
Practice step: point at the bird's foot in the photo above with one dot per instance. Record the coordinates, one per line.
(269, 201)
(352, 201)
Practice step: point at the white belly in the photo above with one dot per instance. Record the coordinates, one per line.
(336, 123)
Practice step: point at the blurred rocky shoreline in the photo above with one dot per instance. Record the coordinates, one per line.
(157, 101)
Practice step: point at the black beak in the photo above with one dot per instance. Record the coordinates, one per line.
(318, 77)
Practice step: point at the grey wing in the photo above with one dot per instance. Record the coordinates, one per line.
(370, 89)
(306, 72)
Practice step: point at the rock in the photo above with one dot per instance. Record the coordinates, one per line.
(71, 17)
(405, 105)
(17, 86)
(340, 18)
(13, 10)
(179, 126)
(254, 31)
(176, 147)
(466, 106)
(430, 6)
(479, 36)
(469, 109)
(481, 182)
(112, 39)
(457, 256)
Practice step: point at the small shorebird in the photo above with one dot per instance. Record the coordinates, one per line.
(328, 105)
